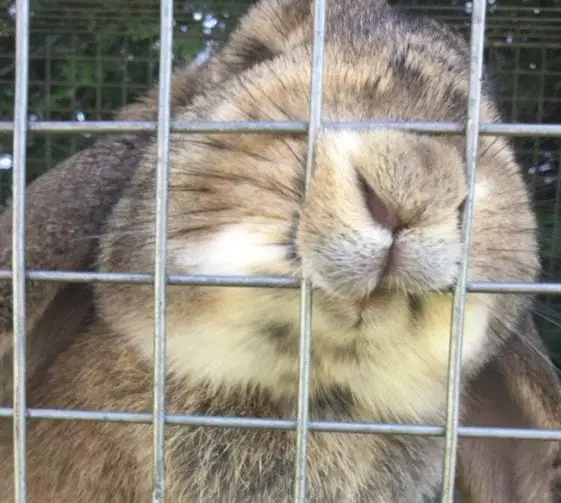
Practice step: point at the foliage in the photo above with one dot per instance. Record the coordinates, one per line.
(90, 58)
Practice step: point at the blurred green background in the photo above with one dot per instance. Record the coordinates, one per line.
(89, 57)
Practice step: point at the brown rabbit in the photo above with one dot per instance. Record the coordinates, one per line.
(379, 239)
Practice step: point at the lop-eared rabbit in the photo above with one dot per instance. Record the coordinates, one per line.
(379, 237)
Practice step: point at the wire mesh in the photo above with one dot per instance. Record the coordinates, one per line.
(164, 125)
(88, 59)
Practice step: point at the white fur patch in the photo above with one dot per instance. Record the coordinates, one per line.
(238, 250)
(481, 189)
(343, 146)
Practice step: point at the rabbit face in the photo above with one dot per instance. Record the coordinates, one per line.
(378, 236)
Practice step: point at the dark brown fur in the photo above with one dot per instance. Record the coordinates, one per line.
(63, 222)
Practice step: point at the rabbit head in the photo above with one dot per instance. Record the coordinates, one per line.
(378, 235)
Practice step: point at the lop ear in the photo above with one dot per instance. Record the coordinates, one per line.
(65, 211)
(519, 389)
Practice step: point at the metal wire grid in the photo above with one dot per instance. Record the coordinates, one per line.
(451, 430)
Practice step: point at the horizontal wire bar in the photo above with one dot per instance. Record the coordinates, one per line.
(282, 127)
(528, 288)
(149, 9)
(143, 278)
(498, 8)
(285, 424)
(141, 87)
(493, 41)
(252, 281)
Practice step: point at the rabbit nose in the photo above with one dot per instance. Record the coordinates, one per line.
(379, 211)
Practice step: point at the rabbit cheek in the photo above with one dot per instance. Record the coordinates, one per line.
(240, 249)
(435, 325)
(415, 347)
(424, 263)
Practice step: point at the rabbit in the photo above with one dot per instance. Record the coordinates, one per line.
(379, 237)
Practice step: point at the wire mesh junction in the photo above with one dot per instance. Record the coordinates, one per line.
(20, 126)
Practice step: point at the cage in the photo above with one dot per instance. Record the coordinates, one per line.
(85, 59)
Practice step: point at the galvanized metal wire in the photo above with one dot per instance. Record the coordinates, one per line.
(460, 295)
(283, 127)
(160, 266)
(160, 279)
(18, 248)
(253, 281)
(316, 95)
(286, 424)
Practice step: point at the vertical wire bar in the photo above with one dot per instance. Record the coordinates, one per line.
(160, 266)
(74, 88)
(18, 245)
(539, 119)
(316, 95)
(49, 42)
(458, 315)
(99, 76)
